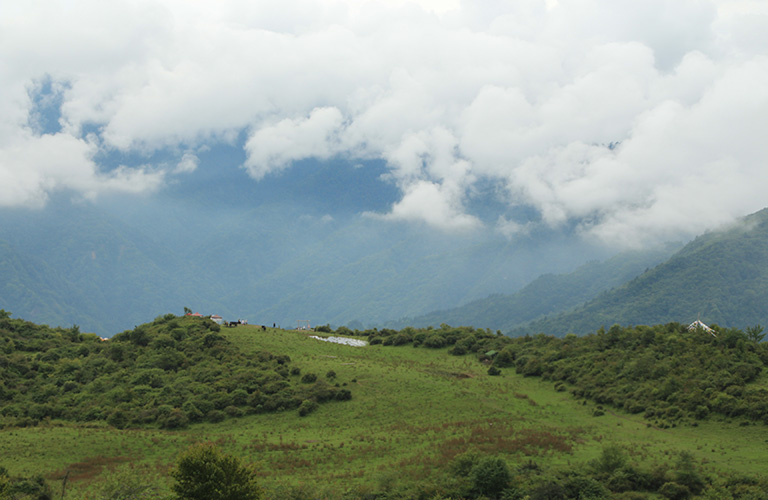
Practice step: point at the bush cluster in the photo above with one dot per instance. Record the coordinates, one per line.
(666, 373)
(169, 373)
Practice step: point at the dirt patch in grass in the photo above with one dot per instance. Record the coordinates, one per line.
(87, 469)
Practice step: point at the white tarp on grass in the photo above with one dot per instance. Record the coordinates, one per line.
(341, 340)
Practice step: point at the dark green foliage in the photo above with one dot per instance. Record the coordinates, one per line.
(549, 490)
(306, 407)
(755, 333)
(490, 476)
(686, 474)
(435, 341)
(674, 491)
(23, 488)
(665, 372)
(170, 373)
(203, 472)
(612, 459)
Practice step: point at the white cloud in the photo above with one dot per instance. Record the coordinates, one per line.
(35, 166)
(188, 163)
(437, 205)
(525, 94)
(272, 148)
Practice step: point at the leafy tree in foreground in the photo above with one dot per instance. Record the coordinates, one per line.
(205, 473)
(490, 476)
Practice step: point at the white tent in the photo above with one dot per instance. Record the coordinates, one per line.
(698, 325)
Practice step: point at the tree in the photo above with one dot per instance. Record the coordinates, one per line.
(203, 472)
(755, 333)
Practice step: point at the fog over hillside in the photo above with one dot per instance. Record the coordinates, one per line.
(343, 161)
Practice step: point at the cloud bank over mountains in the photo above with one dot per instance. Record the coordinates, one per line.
(633, 121)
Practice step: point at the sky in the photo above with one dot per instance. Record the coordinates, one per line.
(633, 122)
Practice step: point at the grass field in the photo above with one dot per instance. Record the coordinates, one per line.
(412, 411)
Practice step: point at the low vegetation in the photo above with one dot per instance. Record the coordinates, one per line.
(668, 373)
(168, 373)
(467, 414)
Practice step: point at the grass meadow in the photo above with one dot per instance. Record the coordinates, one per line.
(412, 411)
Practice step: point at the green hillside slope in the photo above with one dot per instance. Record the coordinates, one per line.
(547, 294)
(427, 422)
(168, 373)
(720, 278)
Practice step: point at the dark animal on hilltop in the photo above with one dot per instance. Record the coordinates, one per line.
(233, 324)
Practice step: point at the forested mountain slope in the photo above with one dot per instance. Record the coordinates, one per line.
(33, 286)
(76, 265)
(548, 294)
(720, 278)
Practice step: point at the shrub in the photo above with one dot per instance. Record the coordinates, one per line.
(175, 419)
(493, 371)
(192, 412)
(585, 487)
(205, 473)
(118, 419)
(343, 395)
(458, 350)
(434, 341)
(505, 357)
(549, 490)
(490, 476)
(401, 339)
(216, 416)
(309, 378)
(611, 459)
(674, 491)
(306, 407)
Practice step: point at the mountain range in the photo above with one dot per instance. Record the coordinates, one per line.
(289, 251)
(277, 253)
(721, 277)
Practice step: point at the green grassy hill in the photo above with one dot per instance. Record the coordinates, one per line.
(424, 420)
